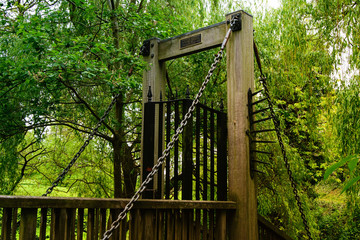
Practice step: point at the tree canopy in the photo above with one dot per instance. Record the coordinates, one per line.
(63, 61)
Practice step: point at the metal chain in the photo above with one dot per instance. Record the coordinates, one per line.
(77, 155)
(283, 151)
(170, 145)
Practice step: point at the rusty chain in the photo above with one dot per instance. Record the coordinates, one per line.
(281, 143)
(170, 145)
(77, 155)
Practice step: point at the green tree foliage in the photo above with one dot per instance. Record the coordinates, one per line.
(61, 63)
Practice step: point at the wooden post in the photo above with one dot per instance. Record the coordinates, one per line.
(28, 224)
(154, 77)
(240, 72)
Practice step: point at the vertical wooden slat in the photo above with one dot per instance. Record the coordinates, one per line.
(80, 224)
(6, 224)
(170, 227)
(187, 158)
(168, 127)
(211, 224)
(160, 224)
(197, 147)
(212, 171)
(90, 224)
(212, 154)
(205, 170)
(43, 221)
(97, 223)
(28, 223)
(191, 225)
(114, 214)
(59, 222)
(159, 190)
(14, 223)
(205, 154)
(197, 224)
(139, 226)
(178, 224)
(149, 224)
(205, 231)
(148, 148)
(184, 224)
(123, 230)
(221, 139)
(52, 224)
(176, 153)
(102, 221)
(70, 226)
(220, 232)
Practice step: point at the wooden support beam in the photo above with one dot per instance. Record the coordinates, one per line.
(28, 224)
(192, 42)
(154, 78)
(240, 72)
(81, 203)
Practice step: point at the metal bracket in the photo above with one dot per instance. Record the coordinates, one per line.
(235, 23)
(145, 48)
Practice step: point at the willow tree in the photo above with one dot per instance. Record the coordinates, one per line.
(61, 64)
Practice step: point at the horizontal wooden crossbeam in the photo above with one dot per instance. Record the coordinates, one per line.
(64, 202)
(192, 42)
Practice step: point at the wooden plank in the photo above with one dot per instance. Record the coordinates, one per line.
(170, 225)
(197, 224)
(240, 73)
(70, 223)
(191, 225)
(149, 224)
(59, 224)
(153, 77)
(6, 224)
(211, 224)
(205, 225)
(184, 224)
(28, 224)
(222, 171)
(220, 231)
(90, 224)
(43, 221)
(14, 223)
(160, 225)
(187, 152)
(123, 229)
(56, 202)
(80, 224)
(178, 225)
(52, 225)
(102, 221)
(114, 214)
(97, 223)
(188, 43)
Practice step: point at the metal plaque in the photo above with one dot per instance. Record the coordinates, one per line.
(190, 41)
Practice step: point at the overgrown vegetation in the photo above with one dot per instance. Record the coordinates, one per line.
(62, 61)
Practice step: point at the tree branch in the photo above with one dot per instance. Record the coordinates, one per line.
(87, 106)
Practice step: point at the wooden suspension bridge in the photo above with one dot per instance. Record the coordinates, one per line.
(209, 199)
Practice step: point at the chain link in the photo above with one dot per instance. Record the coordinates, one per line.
(283, 151)
(170, 145)
(77, 155)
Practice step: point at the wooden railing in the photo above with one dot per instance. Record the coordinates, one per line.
(85, 218)
(267, 231)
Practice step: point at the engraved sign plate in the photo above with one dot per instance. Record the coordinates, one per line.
(190, 41)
